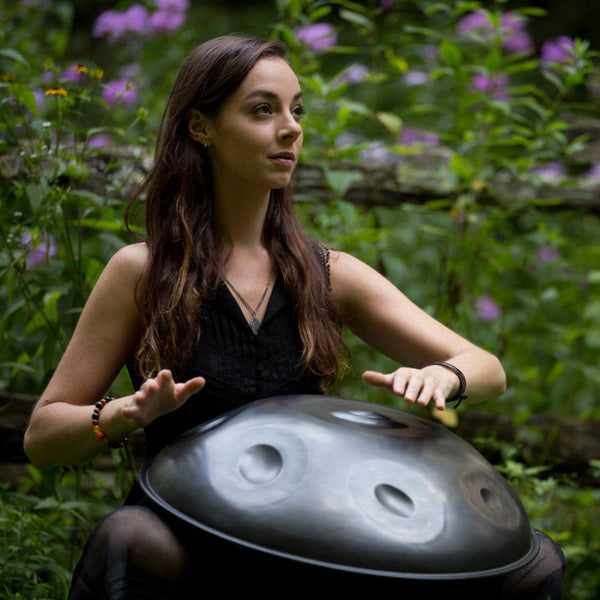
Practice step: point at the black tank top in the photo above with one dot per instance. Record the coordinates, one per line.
(238, 365)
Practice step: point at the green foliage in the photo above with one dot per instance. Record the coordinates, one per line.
(568, 513)
(45, 522)
(481, 123)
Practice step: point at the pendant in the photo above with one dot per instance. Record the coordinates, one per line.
(255, 325)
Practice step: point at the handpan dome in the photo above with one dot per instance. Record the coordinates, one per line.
(345, 485)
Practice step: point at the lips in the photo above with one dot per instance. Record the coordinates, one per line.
(285, 159)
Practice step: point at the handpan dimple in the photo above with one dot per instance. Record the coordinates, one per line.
(345, 485)
(260, 463)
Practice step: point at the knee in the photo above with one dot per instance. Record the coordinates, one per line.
(146, 542)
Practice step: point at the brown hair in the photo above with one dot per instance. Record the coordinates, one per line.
(183, 239)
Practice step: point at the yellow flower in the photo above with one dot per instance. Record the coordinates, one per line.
(96, 73)
(79, 68)
(56, 92)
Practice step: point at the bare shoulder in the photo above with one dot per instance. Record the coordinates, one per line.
(353, 280)
(125, 268)
(131, 259)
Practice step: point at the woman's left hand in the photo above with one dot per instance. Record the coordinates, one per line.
(416, 385)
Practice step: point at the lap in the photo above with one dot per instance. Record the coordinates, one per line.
(159, 547)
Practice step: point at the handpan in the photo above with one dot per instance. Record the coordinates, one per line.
(343, 485)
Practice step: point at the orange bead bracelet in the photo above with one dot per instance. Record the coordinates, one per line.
(98, 433)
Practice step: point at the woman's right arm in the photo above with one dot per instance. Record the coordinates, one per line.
(60, 430)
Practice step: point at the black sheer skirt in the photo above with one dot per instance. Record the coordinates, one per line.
(137, 552)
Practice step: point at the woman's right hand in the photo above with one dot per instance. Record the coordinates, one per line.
(158, 396)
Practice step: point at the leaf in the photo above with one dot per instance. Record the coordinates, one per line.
(462, 166)
(340, 181)
(319, 13)
(14, 55)
(448, 416)
(23, 94)
(357, 19)
(593, 276)
(49, 502)
(392, 122)
(450, 54)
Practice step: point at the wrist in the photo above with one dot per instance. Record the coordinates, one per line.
(109, 425)
(459, 395)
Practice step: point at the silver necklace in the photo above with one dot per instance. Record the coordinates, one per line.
(254, 322)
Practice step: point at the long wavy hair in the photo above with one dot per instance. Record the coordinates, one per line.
(185, 244)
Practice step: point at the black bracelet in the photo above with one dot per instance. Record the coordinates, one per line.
(460, 394)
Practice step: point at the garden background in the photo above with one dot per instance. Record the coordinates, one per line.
(455, 146)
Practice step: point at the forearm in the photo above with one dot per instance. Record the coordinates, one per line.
(60, 433)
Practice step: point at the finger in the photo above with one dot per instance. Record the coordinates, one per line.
(426, 394)
(190, 387)
(378, 379)
(399, 384)
(164, 377)
(130, 411)
(413, 389)
(439, 399)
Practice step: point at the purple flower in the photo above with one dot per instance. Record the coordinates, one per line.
(165, 21)
(548, 254)
(487, 309)
(557, 51)
(380, 154)
(72, 74)
(318, 37)
(517, 38)
(120, 91)
(410, 135)
(136, 18)
(594, 171)
(415, 77)
(100, 140)
(40, 251)
(39, 99)
(116, 23)
(475, 21)
(46, 76)
(519, 43)
(173, 5)
(549, 171)
(513, 29)
(353, 74)
(494, 86)
(110, 22)
(347, 140)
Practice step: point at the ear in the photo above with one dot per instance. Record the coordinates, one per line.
(198, 127)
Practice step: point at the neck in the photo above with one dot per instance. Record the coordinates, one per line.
(242, 217)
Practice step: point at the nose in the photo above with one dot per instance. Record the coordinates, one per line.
(290, 128)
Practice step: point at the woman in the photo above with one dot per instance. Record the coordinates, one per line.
(226, 302)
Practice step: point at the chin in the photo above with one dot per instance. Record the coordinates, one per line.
(281, 184)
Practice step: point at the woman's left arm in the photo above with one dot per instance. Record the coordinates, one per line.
(381, 315)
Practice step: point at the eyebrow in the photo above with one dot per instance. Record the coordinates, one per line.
(268, 94)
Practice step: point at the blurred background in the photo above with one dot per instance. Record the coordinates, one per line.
(454, 146)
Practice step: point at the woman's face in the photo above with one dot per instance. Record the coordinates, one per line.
(255, 139)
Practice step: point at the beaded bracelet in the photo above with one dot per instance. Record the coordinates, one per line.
(100, 435)
(460, 394)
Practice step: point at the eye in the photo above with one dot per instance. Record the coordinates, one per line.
(263, 109)
(298, 111)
